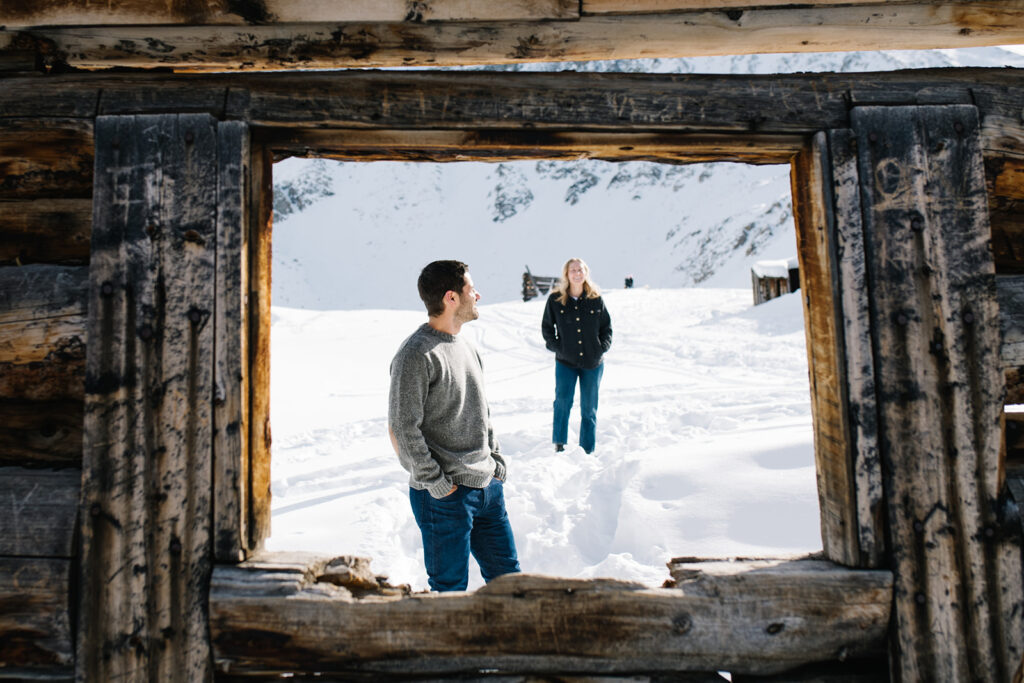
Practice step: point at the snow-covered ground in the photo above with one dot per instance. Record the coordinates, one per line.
(704, 436)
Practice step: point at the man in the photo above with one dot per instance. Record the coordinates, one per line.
(439, 424)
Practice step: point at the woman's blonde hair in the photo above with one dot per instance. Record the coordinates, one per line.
(590, 290)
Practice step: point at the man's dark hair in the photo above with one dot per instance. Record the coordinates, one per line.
(437, 279)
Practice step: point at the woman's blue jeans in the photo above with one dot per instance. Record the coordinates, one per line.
(469, 520)
(565, 387)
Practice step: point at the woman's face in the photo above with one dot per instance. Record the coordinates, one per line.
(577, 273)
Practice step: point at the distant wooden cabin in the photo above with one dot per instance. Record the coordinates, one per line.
(136, 146)
(772, 279)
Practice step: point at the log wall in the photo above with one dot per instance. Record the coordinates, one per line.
(46, 266)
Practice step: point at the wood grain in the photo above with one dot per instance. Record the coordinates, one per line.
(231, 322)
(147, 470)
(309, 44)
(958, 596)
(38, 511)
(273, 615)
(35, 630)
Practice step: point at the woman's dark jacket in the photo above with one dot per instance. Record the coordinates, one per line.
(579, 332)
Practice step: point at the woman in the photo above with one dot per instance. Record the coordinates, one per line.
(577, 327)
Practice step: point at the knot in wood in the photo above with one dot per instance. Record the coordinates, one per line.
(146, 332)
(682, 623)
(775, 628)
(107, 288)
(734, 14)
(920, 599)
(190, 137)
(969, 317)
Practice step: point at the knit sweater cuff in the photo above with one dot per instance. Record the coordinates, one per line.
(440, 489)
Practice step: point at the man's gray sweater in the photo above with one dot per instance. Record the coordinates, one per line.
(439, 414)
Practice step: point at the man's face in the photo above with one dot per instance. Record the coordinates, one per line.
(468, 297)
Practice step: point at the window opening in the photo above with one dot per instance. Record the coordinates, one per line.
(704, 436)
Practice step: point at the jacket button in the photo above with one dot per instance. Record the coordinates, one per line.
(577, 319)
(581, 353)
(578, 329)
(580, 341)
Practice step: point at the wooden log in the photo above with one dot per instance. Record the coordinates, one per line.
(45, 231)
(591, 7)
(1010, 296)
(958, 597)
(500, 145)
(42, 312)
(147, 471)
(747, 105)
(39, 511)
(231, 320)
(921, 25)
(1005, 178)
(832, 438)
(41, 433)
(279, 618)
(22, 14)
(35, 633)
(45, 158)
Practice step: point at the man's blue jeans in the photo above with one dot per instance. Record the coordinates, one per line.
(469, 520)
(565, 387)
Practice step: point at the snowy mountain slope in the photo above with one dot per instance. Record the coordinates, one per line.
(667, 226)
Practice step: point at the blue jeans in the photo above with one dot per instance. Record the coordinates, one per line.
(469, 520)
(565, 387)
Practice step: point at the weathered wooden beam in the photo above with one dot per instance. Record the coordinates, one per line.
(1004, 175)
(45, 158)
(42, 312)
(45, 231)
(42, 364)
(27, 14)
(590, 7)
(147, 471)
(747, 105)
(35, 631)
(959, 605)
(305, 45)
(819, 284)
(494, 145)
(231, 320)
(41, 433)
(1010, 295)
(39, 510)
(260, 214)
(826, 192)
(754, 617)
